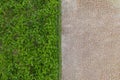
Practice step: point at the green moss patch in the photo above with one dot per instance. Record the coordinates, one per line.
(29, 39)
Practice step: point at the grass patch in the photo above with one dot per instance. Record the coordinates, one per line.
(29, 39)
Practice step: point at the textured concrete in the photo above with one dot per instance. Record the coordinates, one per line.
(90, 40)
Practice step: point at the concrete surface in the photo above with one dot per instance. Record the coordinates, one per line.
(90, 40)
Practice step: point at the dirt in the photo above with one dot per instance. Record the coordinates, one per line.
(90, 40)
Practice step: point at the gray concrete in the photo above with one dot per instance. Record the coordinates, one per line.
(90, 40)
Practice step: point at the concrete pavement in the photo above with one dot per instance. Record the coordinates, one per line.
(90, 40)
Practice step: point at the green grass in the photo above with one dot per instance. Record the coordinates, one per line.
(30, 40)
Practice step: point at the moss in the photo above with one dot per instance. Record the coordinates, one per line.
(29, 40)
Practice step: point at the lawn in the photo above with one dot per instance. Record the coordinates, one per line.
(30, 39)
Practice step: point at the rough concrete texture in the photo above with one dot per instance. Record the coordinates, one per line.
(90, 40)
